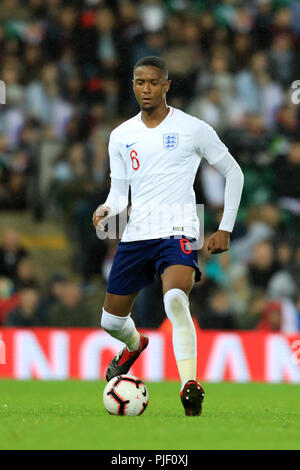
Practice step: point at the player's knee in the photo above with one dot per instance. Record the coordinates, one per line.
(176, 305)
(176, 299)
(111, 322)
(119, 305)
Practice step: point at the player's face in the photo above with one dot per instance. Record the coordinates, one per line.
(150, 87)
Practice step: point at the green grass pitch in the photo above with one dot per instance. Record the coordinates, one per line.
(71, 415)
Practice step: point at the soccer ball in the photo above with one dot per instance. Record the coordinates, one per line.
(125, 395)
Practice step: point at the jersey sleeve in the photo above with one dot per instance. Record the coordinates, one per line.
(117, 198)
(116, 161)
(233, 174)
(207, 143)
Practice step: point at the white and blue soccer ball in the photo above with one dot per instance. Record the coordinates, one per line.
(125, 395)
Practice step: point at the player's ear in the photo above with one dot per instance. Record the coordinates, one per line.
(132, 81)
(168, 84)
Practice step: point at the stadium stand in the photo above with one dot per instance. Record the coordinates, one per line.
(67, 67)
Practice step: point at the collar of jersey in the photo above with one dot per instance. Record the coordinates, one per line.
(171, 111)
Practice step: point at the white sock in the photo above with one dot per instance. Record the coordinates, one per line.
(187, 370)
(184, 334)
(121, 328)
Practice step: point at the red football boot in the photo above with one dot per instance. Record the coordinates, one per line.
(122, 362)
(192, 397)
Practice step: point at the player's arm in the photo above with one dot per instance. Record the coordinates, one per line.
(234, 177)
(216, 153)
(117, 198)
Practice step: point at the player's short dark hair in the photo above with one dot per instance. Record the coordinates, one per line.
(153, 61)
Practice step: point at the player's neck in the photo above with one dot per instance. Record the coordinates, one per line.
(154, 117)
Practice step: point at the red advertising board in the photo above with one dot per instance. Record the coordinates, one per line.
(58, 354)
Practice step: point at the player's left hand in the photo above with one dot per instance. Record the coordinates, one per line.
(218, 242)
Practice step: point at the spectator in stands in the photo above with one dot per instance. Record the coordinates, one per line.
(107, 50)
(263, 265)
(55, 288)
(9, 299)
(255, 308)
(12, 115)
(208, 107)
(262, 28)
(18, 168)
(71, 309)
(25, 274)
(279, 316)
(260, 225)
(282, 286)
(28, 314)
(72, 180)
(271, 317)
(11, 252)
(282, 58)
(53, 293)
(218, 269)
(218, 314)
(249, 82)
(284, 255)
(239, 290)
(287, 188)
(287, 122)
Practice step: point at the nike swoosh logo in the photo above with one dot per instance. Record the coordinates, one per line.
(127, 146)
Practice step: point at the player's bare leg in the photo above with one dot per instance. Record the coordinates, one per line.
(177, 283)
(119, 305)
(179, 277)
(116, 320)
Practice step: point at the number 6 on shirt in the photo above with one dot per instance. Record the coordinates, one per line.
(133, 155)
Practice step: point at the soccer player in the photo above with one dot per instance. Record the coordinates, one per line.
(157, 153)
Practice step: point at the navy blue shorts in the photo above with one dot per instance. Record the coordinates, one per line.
(136, 263)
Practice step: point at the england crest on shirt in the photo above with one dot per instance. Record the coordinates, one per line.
(170, 141)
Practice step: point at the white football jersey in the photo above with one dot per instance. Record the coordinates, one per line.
(160, 165)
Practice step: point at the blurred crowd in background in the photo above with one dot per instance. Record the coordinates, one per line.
(67, 66)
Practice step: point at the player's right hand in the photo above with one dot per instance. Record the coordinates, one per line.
(100, 214)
